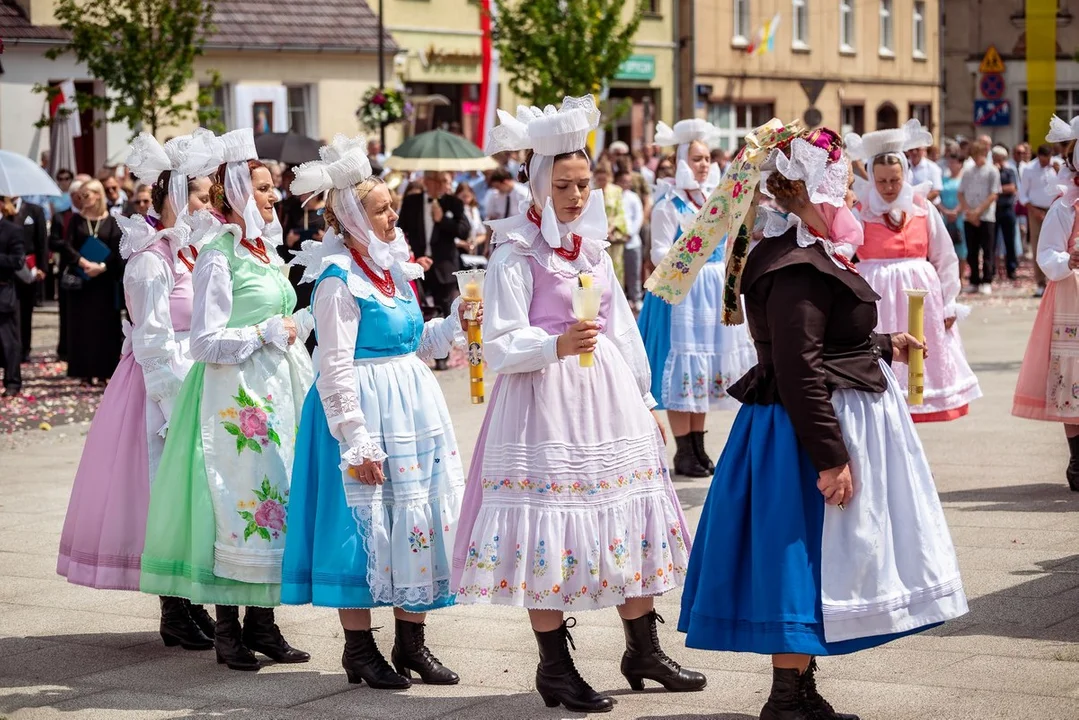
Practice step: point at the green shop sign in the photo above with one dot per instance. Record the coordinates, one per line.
(637, 67)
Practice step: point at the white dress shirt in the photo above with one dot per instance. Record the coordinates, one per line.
(634, 209)
(498, 206)
(926, 171)
(1037, 186)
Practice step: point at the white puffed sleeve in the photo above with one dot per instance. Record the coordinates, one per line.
(1053, 242)
(305, 324)
(942, 256)
(147, 285)
(622, 330)
(441, 334)
(212, 341)
(510, 343)
(665, 225)
(337, 317)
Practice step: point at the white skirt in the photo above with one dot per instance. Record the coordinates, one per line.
(706, 356)
(888, 563)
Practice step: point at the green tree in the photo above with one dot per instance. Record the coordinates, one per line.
(144, 51)
(554, 48)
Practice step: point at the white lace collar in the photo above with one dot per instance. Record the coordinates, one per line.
(912, 201)
(777, 224)
(243, 253)
(361, 286)
(522, 235)
(139, 236)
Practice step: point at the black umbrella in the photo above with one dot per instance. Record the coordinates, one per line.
(290, 148)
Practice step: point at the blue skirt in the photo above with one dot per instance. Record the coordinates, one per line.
(654, 323)
(754, 578)
(325, 562)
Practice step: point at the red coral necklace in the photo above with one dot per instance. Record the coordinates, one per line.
(258, 249)
(384, 284)
(570, 255)
(194, 256)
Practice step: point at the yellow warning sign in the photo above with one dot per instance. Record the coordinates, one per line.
(991, 62)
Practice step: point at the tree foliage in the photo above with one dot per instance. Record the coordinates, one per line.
(143, 51)
(554, 48)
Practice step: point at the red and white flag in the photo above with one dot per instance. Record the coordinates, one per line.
(65, 100)
(489, 86)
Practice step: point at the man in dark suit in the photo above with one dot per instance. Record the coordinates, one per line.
(12, 262)
(434, 221)
(31, 218)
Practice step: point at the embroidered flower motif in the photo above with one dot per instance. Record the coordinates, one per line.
(569, 565)
(417, 540)
(255, 429)
(618, 549)
(694, 244)
(268, 520)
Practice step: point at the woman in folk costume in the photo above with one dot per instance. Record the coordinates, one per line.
(903, 229)
(693, 356)
(218, 508)
(103, 533)
(377, 481)
(822, 532)
(1048, 386)
(569, 504)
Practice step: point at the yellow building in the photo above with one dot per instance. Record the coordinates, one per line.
(440, 63)
(855, 65)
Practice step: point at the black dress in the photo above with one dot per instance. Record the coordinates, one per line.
(95, 335)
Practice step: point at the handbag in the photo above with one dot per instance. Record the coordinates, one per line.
(72, 279)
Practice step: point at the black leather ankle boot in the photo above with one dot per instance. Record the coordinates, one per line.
(363, 661)
(228, 640)
(261, 634)
(178, 628)
(410, 653)
(700, 452)
(201, 618)
(785, 701)
(685, 459)
(557, 679)
(1073, 464)
(644, 659)
(816, 706)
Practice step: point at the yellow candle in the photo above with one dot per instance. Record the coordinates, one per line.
(916, 358)
(472, 291)
(585, 280)
(586, 303)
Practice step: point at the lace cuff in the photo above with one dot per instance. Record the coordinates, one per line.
(441, 334)
(273, 332)
(161, 381)
(368, 449)
(340, 406)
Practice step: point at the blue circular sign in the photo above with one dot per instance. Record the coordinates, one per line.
(992, 86)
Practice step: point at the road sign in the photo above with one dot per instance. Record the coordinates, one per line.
(991, 62)
(812, 117)
(812, 90)
(991, 86)
(992, 113)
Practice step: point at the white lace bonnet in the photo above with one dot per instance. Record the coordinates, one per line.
(826, 178)
(547, 133)
(683, 134)
(895, 141)
(1062, 132)
(235, 149)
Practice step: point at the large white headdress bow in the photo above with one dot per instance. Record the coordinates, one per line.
(547, 133)
(345, 164)
(683, 134)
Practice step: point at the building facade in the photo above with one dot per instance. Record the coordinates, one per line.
(971, 28)
(303, 67)
(440, 64)
(855, 65)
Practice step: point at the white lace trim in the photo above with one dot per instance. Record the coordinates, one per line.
(315, 257)
(776, 224)
(366, 450)
(525, 239)
(825, 182)
(340, 405)
(436, 340)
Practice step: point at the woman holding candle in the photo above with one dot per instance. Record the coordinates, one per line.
(902, 229)
(377, 482)
(569, 504)
(693, 356)
(106, 519)
(1048, 387)
(218, 508)
(822, 533)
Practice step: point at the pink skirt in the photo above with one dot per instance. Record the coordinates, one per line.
(103, 534)
(950, 384)
(1048, 386)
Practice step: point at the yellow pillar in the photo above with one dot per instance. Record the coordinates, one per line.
(1041, 67)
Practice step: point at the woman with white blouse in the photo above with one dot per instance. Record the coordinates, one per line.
(218, 509)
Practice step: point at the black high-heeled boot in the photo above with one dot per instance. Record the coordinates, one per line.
(644, 659)
(1073, 464)
(410, 653)
(228, 640)
(261, 634)
(816, 706)
(178, 628)
(700, 451)
(786, 700)
(201, 618)
(685, 459)
(363, 661)
(557, 679)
